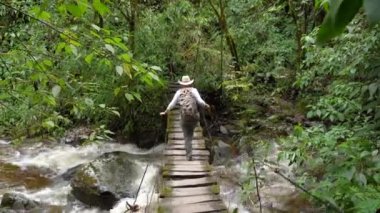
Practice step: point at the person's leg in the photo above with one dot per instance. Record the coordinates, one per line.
(188, 131)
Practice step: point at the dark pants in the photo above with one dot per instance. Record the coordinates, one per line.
(188, 131)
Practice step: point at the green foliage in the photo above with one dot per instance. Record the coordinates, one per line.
(340, 14)
(340, 166)
(72, 70)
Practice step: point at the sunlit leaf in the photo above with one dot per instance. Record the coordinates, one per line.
(129, 97)
(74, 10)
(56, 90)
(74, 50)
(110, 48)
(48, 62)
(137, 96)
(116, 113)
(101, 8)
(96, 27)
(40, 14)
(48, 124)
(50, 100)
(127, 70)
(89, 58)
(60, 46)
(119, 70)
(157, 68)
(154, 76)
(126, 57)
(116, 91)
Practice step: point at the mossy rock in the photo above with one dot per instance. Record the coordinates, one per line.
(106, 180)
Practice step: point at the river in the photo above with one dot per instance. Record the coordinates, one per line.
(38, 171)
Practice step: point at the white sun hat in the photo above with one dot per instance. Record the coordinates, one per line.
(185, 80)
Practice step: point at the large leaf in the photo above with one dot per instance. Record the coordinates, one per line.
(79, 9)
(40, 13)
(56, 90)
(119, 70)
(372, 10)
(338, 17)
(101, 8)
(110, 48)
(129, 97)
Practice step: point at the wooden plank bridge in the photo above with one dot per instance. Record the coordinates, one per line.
(187, 186)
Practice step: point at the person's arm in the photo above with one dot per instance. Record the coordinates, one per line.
(197, 97)
(172, 103)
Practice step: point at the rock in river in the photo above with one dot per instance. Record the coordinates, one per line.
(107, 179)
(17, 201)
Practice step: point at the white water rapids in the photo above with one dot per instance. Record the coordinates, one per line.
(60, 158)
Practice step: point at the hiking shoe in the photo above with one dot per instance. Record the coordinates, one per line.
(189, 157)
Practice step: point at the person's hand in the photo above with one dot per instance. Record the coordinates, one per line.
(163, 113)
(207, 106)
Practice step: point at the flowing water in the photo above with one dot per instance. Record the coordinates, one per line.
(38, 171)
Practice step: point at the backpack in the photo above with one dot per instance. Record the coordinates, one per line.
(189, 107)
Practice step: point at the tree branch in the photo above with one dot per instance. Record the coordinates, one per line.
(215, 10)
(41, 21)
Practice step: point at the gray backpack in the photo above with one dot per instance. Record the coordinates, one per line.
(189, 107)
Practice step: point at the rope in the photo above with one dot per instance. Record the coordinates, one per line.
(257, 185)
(326, 202)
(134, 207)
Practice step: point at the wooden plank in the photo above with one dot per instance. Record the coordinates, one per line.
(185, 162)
(179, 142)
(183, 152)
(174, 201)
(213, 206)
(183, 158)
(193, 182)
(188, 168)
(202, 190)
(179, 135)
(178, 124)
(185, 174)
(179, 129)
(182, 146)
(174, 118)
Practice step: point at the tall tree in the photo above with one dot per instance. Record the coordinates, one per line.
(220, 14)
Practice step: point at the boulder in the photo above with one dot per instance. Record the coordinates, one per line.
(106, 180)
(17, 201)
(76, 136)
(222, 153)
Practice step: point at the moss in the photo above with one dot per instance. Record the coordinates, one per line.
(161, 209)
(167, 167)
(86, 179)
(208, 167)
(165, 191)
(165, 173)
(31, 177)
(215, 189)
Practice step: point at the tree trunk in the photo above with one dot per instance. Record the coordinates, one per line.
(229, 39)
(132, 24)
